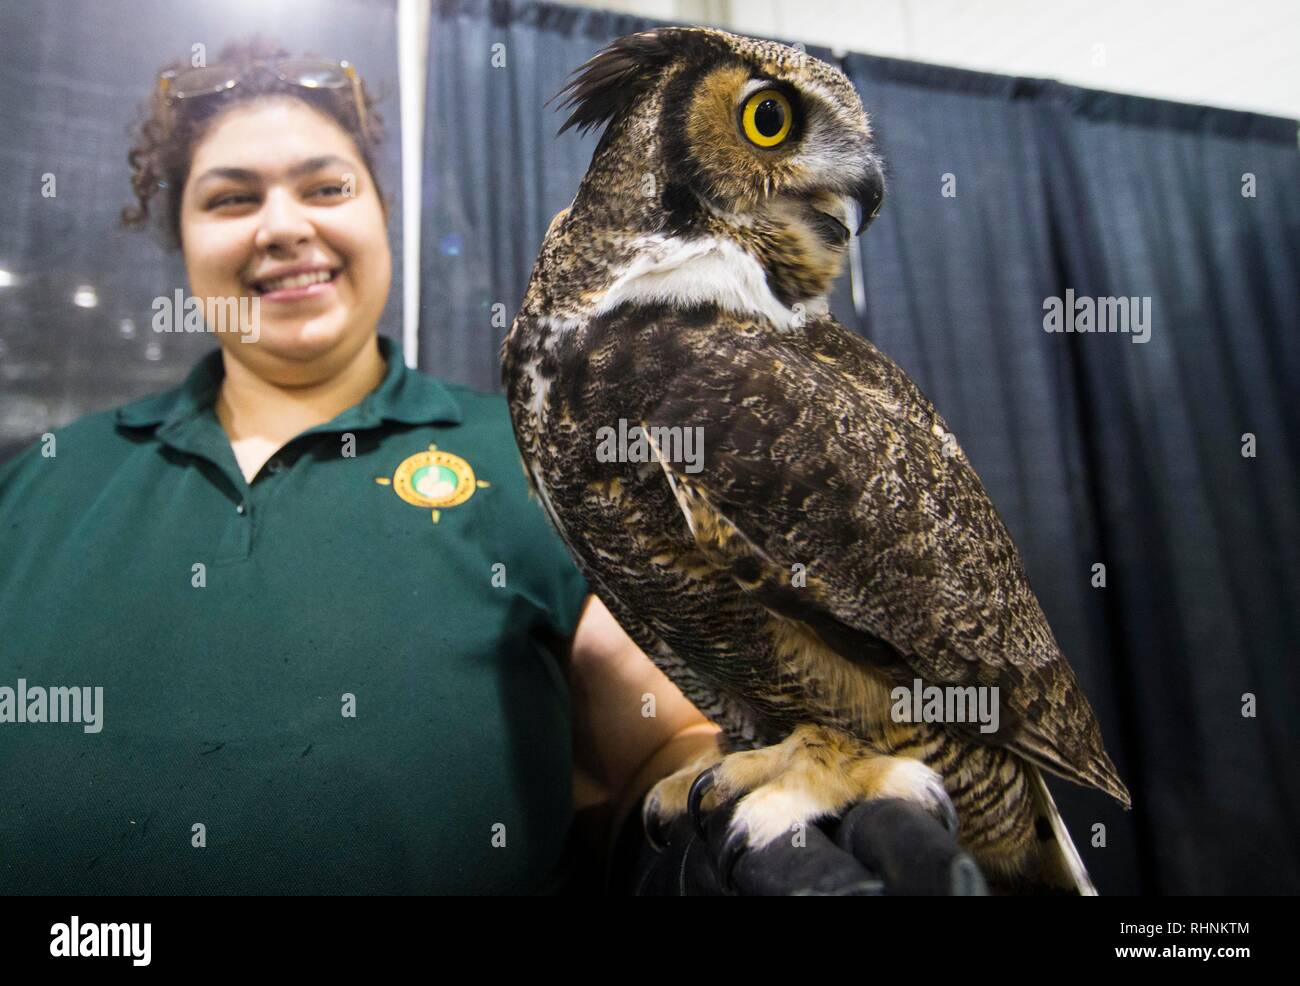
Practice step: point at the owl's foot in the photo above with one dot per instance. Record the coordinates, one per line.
(814, 773)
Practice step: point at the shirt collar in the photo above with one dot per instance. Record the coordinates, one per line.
(403, 394)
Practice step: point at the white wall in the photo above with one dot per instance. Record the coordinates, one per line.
(1243, 55)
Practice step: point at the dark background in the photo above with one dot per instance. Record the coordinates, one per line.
(1095, 449)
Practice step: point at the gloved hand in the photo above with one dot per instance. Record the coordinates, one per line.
(887, 847)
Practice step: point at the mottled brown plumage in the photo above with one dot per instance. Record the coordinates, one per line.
(834, 542)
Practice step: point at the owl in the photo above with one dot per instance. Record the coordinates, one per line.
(769, 506)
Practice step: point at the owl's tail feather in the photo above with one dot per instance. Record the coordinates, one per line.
(1061, 859)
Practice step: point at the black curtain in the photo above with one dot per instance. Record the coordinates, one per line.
(1097, 450)
(1203, 541)
(72, 76)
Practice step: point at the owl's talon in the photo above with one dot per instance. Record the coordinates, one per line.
(695, 798)
(732, 849)
(967, 880)
(944, 809)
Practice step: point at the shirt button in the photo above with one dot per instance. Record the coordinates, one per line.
(275, 465)
(241, 508)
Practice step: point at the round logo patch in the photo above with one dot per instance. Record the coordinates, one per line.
(434, 480)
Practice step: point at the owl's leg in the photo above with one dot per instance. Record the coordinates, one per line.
(814, 773)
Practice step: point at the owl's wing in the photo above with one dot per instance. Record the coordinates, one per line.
(818, 451)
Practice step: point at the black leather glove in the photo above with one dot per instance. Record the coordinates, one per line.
(886, 847)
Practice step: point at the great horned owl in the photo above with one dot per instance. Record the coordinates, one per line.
(832, 543)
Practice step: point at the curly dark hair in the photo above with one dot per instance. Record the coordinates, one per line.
(161, 157)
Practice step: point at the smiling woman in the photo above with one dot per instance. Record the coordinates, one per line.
(267, 216)
(265, 162)
(347, 655)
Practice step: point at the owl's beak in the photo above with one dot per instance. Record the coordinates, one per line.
(839, 213)
(869, 195)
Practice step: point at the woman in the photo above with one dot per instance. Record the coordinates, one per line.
(331, 629)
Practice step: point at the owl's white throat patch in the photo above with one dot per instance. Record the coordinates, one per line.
(687, 273)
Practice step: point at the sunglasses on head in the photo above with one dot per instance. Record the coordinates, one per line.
(310, 73)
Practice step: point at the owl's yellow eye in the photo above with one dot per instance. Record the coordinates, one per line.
(766, 118)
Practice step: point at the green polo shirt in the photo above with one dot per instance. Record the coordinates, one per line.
(341, 677)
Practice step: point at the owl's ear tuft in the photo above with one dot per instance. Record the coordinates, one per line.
(608, 83)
